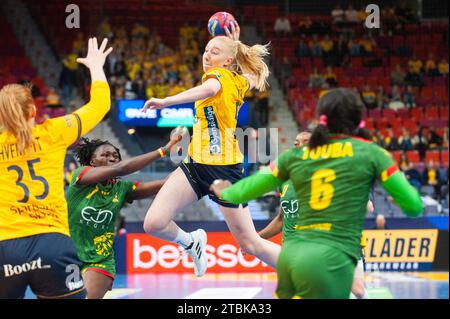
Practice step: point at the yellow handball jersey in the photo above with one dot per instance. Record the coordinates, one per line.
(31, 184)
(213, 141)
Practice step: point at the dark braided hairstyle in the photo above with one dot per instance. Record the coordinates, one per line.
(86, 148)
(343, 109)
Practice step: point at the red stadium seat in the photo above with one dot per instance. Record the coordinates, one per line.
(413, 157)
(443, 113)
(389, 114)
(403, 113)
(432, 113)
(396, 155)
(416, 112)
(432, 155)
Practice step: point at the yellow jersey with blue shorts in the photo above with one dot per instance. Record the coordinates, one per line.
(213, 141)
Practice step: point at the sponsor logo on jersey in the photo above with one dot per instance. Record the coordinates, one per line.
(11, 270)
(94, 217)
(214, 131)
(290, 208)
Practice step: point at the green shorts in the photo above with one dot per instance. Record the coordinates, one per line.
(312, 270)
(106, 267)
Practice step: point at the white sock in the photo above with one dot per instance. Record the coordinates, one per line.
(183, 239)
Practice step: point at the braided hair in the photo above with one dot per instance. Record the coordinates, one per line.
(86, 149)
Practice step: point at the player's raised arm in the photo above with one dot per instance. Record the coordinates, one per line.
(100, 103)
(207, 89)
(98, 174)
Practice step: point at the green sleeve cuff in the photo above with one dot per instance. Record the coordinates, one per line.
(404, 195)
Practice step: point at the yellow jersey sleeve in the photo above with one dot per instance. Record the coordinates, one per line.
(70, 127)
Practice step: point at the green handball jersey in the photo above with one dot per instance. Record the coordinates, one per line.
(289, 208)
(93, 211)
(332, 184)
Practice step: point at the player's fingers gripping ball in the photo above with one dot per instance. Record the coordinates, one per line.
(219, 21)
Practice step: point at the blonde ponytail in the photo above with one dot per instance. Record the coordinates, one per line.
(16, 107)
(250, 60)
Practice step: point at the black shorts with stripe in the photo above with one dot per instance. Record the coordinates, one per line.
(48, 263)
(201, 176)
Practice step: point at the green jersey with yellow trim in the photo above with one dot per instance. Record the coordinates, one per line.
(289, 208)
(332, 183)
(93, 211)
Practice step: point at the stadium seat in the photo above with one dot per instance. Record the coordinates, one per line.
(413, 157)
(432, 155)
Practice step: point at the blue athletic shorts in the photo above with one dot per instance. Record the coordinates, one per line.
(48, 263)
(201, 176)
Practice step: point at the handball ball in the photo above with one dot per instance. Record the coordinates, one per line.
(218, 22)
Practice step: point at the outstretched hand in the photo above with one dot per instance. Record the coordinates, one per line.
(235, 32)
(154, 104)
(95, 56)
(176, 137)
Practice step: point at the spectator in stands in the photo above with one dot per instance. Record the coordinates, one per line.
(404, 13)
(395, 99)
(302, 48)
(367, 44)
(430, 66)
(326, 45)
(403, 162)
(382, 100)
(330, 77)
(443, 67)
(338, 14)
(380, 222)
(369, 97)
(430, 176)
(434, 139)
(282, 26)
(104, 29)
(413, 77)
(388, 17)
(413, 176)
(409, 98)
(354, 47)
(78, 43)
(391, 141)
(314, 46)
(445, 138)
(285, 68)
(67, 79)
(378, 138)
(415, 65)
(140, 31)
(351, 15)
(420, 143)
(405, 140)
(68, 173)
(52, 97)
(316, 80)
(398, 76)
(305, 25)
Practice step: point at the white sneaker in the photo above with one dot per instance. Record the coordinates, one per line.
(198, 252)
